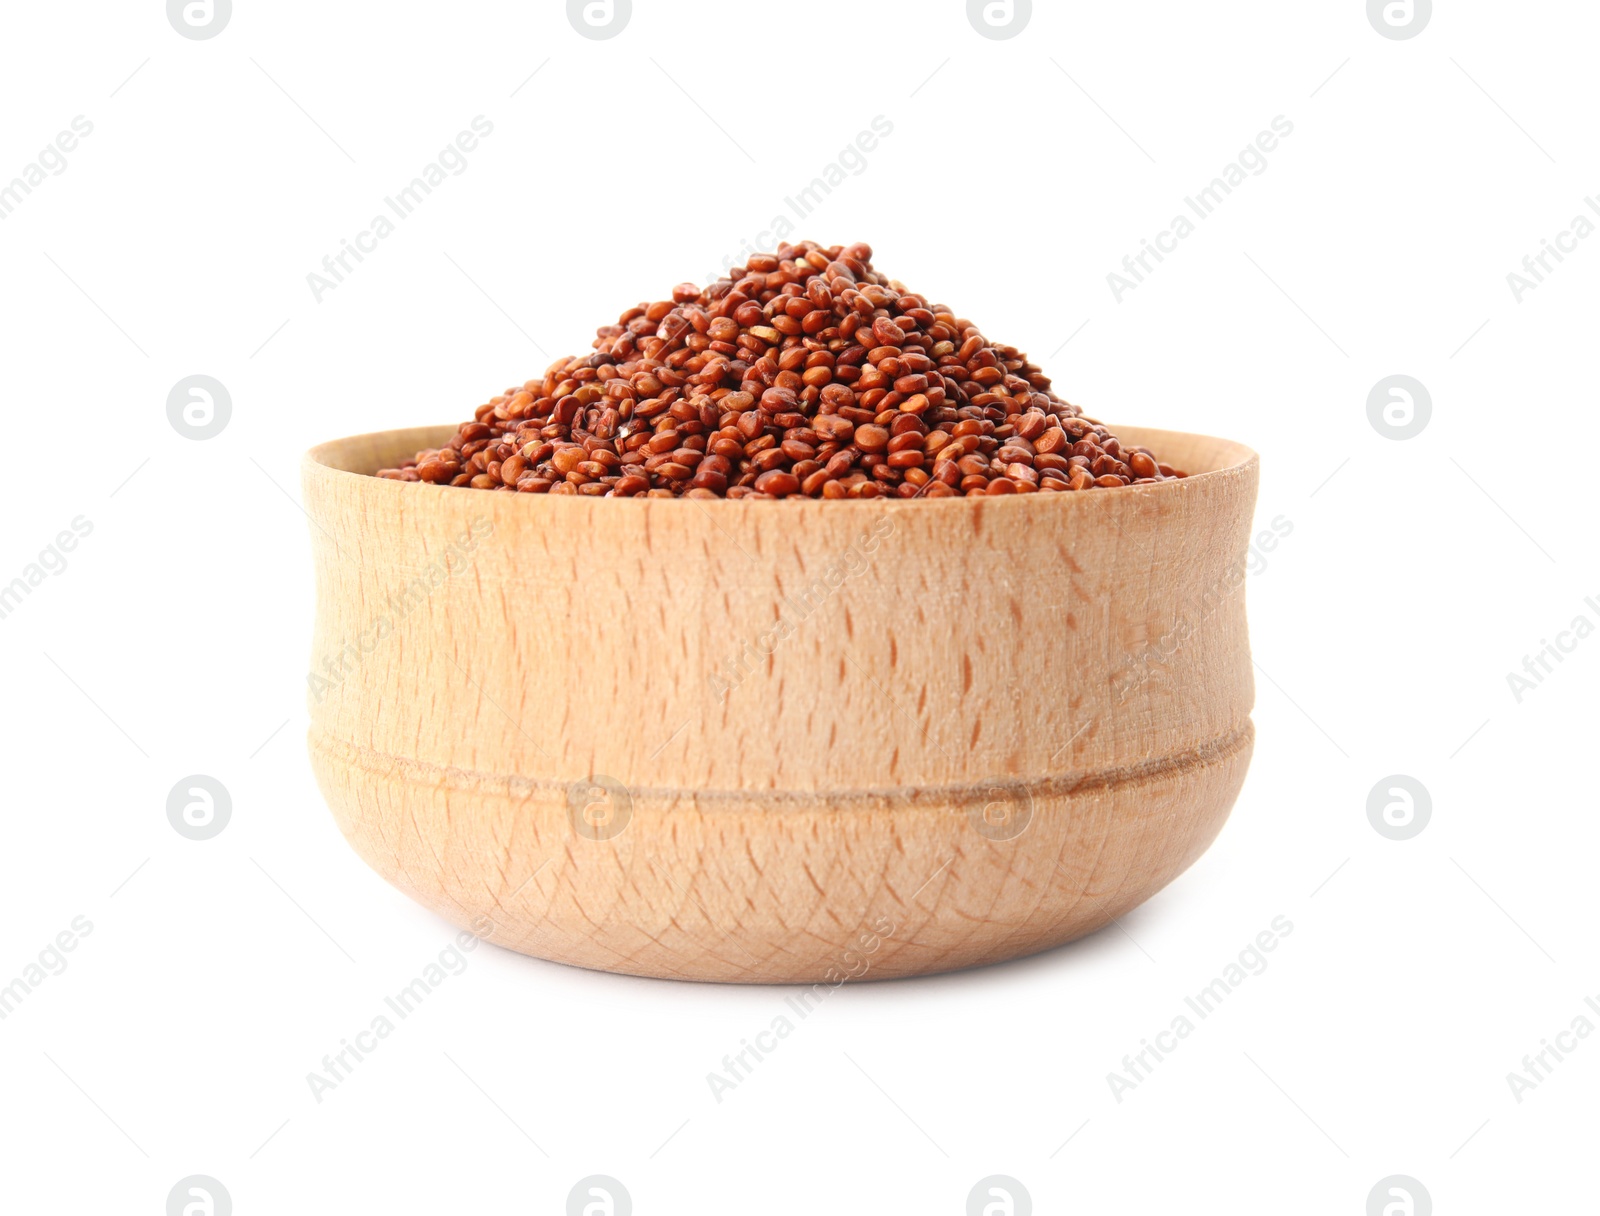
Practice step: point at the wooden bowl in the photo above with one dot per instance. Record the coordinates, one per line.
(777, 742)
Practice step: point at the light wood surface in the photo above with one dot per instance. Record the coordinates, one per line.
(736, 741)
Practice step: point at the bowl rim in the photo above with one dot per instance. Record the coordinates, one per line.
(1241, 460)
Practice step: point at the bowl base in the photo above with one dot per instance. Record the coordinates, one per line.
(790, 889)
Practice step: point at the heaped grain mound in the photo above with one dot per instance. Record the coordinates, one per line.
(804, 373)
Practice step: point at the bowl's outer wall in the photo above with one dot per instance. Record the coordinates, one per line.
(476, 655)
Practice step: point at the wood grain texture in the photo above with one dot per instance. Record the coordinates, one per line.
(733, 741)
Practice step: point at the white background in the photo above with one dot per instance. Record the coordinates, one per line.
(177, 241)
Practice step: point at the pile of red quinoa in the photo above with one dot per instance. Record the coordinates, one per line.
(804, 372)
